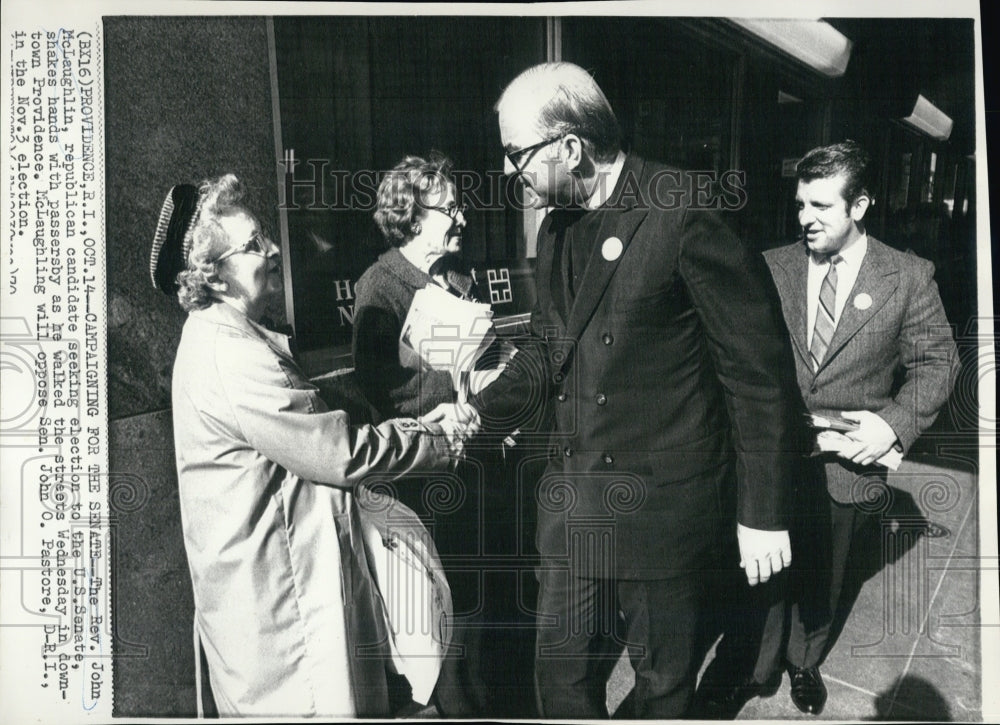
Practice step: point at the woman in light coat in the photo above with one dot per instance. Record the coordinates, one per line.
(285, 607)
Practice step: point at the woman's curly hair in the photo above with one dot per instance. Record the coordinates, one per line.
(218, 197)
(404, 195)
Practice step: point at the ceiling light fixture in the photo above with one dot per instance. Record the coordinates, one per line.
(929, 119)
(814, 42)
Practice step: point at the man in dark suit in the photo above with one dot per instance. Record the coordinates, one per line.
(873, 347)
(664, 356)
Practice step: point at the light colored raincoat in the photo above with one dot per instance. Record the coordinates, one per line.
(286, 608)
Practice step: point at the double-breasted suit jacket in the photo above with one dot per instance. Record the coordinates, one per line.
(892, 351)
(666, 375)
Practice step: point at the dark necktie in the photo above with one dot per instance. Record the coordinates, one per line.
(825, 324)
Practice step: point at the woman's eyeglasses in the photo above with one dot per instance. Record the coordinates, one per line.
(255, 245)
(452, 211)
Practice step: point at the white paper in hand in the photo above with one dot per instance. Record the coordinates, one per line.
(446, 333)
(830, 441)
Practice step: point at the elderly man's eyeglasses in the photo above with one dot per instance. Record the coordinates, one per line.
(527, 152)
(255, 245)
(453, 211)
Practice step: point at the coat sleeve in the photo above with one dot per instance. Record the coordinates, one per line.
(281, 416)
(392, 388)
(739, 310)
(518, 399)
(928, 360)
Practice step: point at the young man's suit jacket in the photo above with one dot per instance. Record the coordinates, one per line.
(892, 352)
(670, 371)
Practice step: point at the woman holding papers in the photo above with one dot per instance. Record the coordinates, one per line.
(267, 475)
(417, 323)
(422, 222)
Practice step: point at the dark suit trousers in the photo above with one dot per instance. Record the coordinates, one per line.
(753, 621)
(581, 637)
(822, 536)
(817, 586)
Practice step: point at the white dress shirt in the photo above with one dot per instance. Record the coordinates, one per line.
(847, 275)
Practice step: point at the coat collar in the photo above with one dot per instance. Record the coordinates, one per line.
(225, 315)
(409, 275)
(792, 284)
(629, 196)
(877, 278)
(402, 269)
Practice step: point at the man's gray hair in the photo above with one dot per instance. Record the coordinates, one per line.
(564, 98)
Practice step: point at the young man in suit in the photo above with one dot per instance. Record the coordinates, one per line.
(873, 346)
(664, 353)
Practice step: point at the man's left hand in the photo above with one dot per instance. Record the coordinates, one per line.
(763, 553)
(872, 440)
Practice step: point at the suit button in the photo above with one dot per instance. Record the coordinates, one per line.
(601, 398)
(814, 389)
(557, 378)
(567, 451)
(608, 458)
(562, 397)
(608, 338)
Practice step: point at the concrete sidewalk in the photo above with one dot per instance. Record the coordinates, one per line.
(909, 649)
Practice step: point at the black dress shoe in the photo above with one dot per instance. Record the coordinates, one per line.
(718, 699)
(808, 690)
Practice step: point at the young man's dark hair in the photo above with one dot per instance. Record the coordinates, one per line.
(847, 158)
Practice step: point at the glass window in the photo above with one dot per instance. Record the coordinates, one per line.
(356, 94)
(672, 93)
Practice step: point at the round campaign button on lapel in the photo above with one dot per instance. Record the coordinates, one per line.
(612, 248)
(863, 301)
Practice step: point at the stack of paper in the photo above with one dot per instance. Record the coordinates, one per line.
(447, 333)
(831, 438)
(831, 421)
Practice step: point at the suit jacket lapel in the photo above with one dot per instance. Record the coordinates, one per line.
(599, 273)
(600, 270)
(878, 279)
(792, 286)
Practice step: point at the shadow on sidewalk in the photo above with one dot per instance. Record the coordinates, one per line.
(924, 701)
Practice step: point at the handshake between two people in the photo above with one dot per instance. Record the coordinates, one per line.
(458, 422)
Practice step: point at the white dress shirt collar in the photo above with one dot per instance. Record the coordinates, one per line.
(606, 182)
(851, 254)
